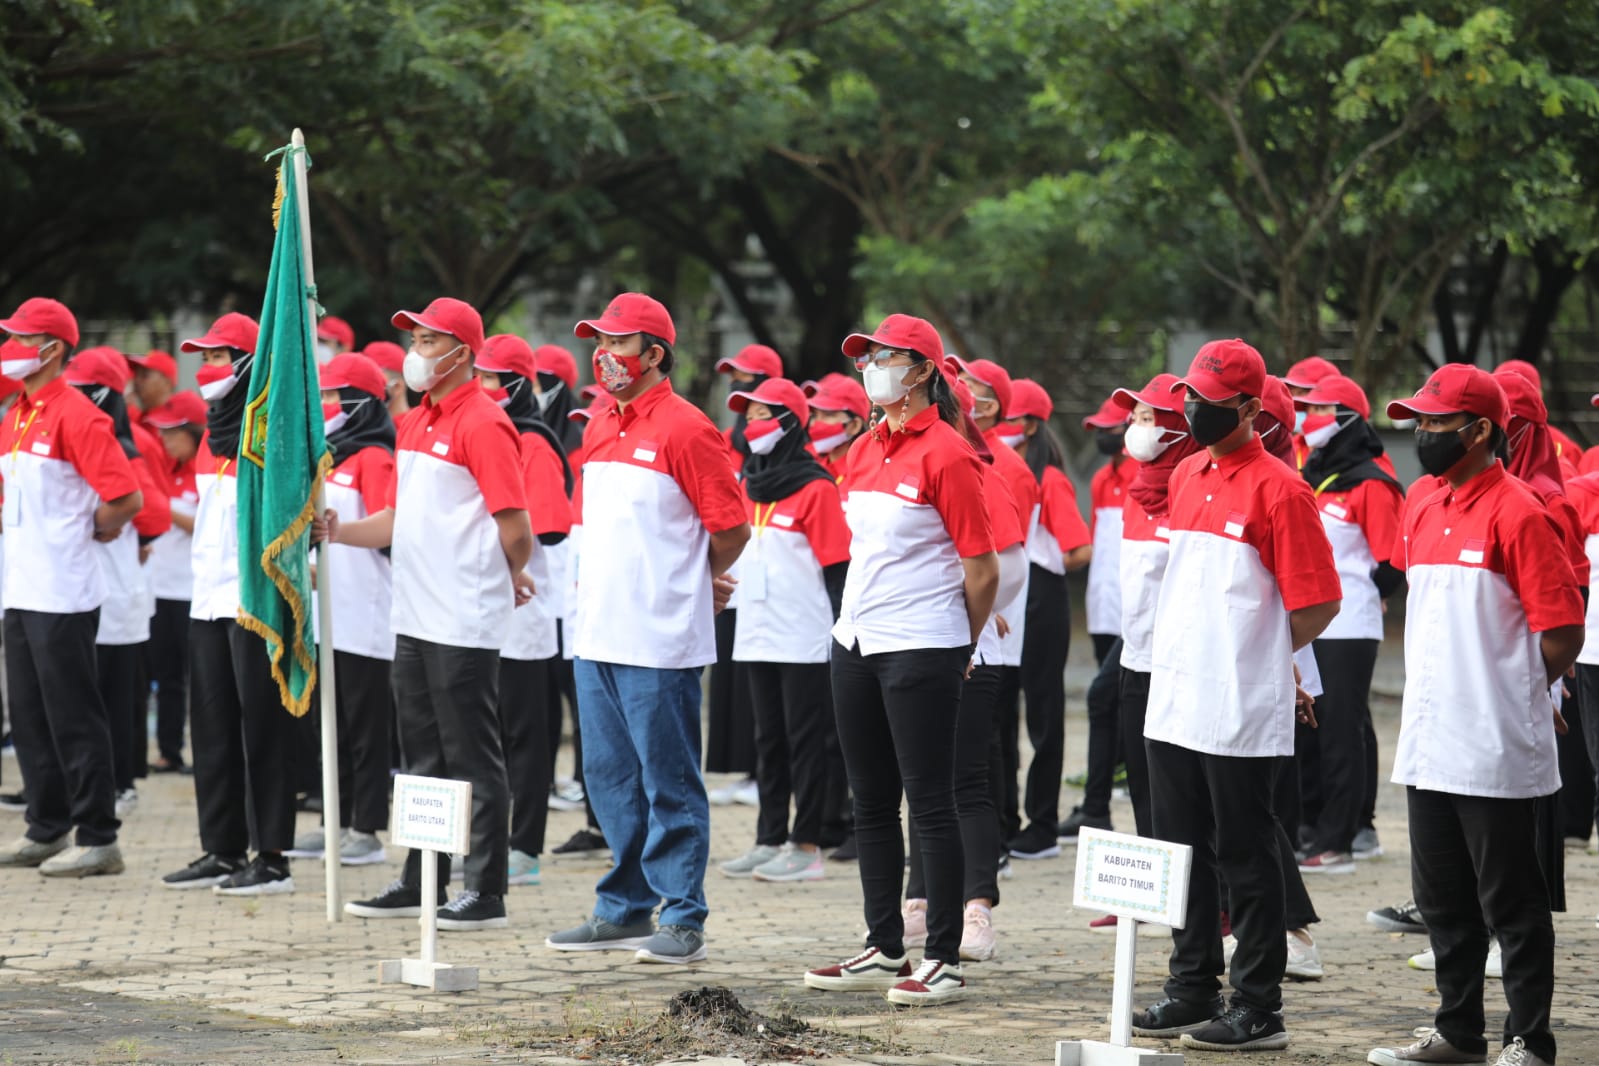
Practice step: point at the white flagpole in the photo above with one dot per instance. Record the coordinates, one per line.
(327, 677)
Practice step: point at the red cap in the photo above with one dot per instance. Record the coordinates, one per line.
(1523, 398)
(602, 402)
(446, 315)
(507, 352)
(1029, 398)
(903, 332)
(1523, 368)
(825, 383)
(753, 359)
(631, 312)
(991, 374)
(773, 392)
(1277, 401)
(184, 409)
(1157, 394)
(232, 330)
(553, 359)
(1110, 415)
(354, 370)
(1226, 368)
(1455, 387)
(843, 394)
(41, 315)
(1335, 388)
(161, 362)
(99, 366)
(1307, 372)
(386, 354)
(334, 328)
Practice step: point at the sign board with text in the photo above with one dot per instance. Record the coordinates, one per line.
(1133, 877)
(432, 814)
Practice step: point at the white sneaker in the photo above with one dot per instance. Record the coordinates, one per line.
(747, 794)
(82, 861)
(1304, 958)
(978, 939)
(1494, 966)
(127, 800)
(566, 795)
(728, 795)
(1516, 1054)
(932, 982)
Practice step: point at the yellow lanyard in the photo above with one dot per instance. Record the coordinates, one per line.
(23, 432)
(761, 522)
(1330, 479)
(222, 472)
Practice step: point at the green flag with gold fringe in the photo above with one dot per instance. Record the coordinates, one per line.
(283, 458)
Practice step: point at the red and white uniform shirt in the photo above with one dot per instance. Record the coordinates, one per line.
(1008, 524)
(657, 483)
(568, 552)
(532, 637)
(1583, 492)
(1146, 544)
(1488, 573)
(1024, 494)
(214, 553)
(362, 579)
(1247, 548)
(1058, 525)
(1107, 495)
(784, 615)
(457, 465)
(914, 500)
(170, 575)
(1360, 524)
(59, 458)
(130, 599)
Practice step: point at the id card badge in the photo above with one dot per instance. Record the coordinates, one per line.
(11, 513)
(752, 579)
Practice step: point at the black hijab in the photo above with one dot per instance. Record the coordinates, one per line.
(787, 468)
(224, 418)
(553, 411)
(1349, 458)
(369, 425)
(111, 402)
(523, 410)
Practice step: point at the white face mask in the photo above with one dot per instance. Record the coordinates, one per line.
(764, 445)
(832, 441)
(213, 391)
(325, 351)
(17, 369)
(1318, 437)
(332, 425)
(1145, 443)
(547, 397)
(422, 373)
(886, 384)
(1299, 423)
(1011, 440)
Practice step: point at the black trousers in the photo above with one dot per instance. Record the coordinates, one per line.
(1588, 710)
(117, 667)
(59, 726)
(897, 720)
(366, 715)
(730, 726)
(838, 810)
(975, 742)
(1298, 910)
(1474, 873)
(242, 741)
(1106, 646)
(450, 727)
(524, 711)
(1221, 806)
(1009, 714)
(1132, 706)
(1343, 714)
(792, 720)
(1044, 648)
(1577, 793)
(166, 659)
(1104, 740)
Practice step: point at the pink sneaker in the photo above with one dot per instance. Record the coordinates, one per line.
(915, 915)
(978, 938)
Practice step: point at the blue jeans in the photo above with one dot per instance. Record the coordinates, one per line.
(641, 767)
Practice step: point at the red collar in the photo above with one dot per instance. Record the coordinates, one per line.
(458, 396)
(54, 388)
(1238, 458)
(1474, 489)
(913, 426)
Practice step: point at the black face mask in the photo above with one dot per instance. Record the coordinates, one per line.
(1108, 442)
(1441, 450)
(1209, 423)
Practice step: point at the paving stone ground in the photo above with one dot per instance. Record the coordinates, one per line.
(115, 970)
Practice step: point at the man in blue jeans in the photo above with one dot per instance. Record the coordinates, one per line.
(663, 520)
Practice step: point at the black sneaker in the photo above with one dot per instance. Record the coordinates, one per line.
(1401, 918)
(399, 900)
(470, 910)
(582, 843)
(13, 801)
(263, 877)
(1035, 842)
(1240, 1029)
(1080, 819)
(1172, 1016)
(206, 871)
(846, 852)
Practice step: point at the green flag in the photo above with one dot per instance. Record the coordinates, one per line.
(282, 461)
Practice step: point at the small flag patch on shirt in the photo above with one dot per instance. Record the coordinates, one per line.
(441, 447)
(344, 479)
(784, 520)
(1163, 533)
(1235, 524)
(1337, 510)
(40, 448)
(909, 487)
(1474, 551)
(645, 452)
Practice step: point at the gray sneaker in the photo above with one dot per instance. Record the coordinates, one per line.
(360, 849)
(84, 862)
(673, 944)
(745, 864)
(1366, 845)
(1515, 1053)
(791, 864)
(1430, 1046)
(25, 852)
(307, 845)
(597, 934)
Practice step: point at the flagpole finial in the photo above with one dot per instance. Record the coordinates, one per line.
(298, 140)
